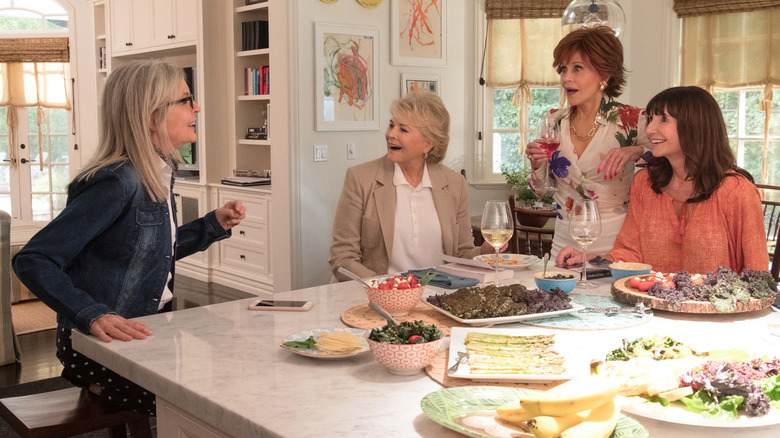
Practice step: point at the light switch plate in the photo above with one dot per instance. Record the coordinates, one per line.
(350, 151)
(320, 152)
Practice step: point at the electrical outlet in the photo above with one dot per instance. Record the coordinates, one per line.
(320, 152)
(350, 151)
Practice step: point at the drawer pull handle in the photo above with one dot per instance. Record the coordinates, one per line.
(241, 232)
(242, 257)
(170, 37)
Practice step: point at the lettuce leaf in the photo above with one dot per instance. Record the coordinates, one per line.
(701, 401)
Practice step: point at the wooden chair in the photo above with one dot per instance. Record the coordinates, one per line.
(770, 200)
(68, 412)
(531, 235)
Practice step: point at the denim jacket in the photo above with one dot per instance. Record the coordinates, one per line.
(109, 250)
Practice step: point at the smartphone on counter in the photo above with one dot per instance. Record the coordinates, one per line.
(295, 306)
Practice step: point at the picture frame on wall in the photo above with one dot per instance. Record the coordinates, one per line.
(418, 32)
(347, 77)
(412, 82)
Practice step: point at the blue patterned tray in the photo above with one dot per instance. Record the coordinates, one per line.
(592, 321)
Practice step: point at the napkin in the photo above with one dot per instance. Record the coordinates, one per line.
(445, 280)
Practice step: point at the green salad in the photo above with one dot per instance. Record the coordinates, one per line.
(406, 333)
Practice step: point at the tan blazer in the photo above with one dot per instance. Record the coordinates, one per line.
(365, 217)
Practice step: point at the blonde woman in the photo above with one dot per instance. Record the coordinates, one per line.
(404, 210)
(109, 255)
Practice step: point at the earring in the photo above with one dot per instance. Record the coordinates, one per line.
(602, 85)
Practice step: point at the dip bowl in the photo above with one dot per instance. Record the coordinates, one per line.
(404, 359)
(566, 284)
(628, 269)
(397, 302)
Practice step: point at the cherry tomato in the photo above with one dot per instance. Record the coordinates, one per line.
(645, 284)
(634, 282)
(414, 338)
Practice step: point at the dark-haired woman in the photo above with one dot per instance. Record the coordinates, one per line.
(692, 208)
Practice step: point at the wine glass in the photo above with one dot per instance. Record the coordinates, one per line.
(549, 138)
(585, 228)
(497, 226)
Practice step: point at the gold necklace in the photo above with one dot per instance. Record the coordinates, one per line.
(590, 133)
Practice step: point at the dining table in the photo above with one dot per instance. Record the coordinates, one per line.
(220, 370)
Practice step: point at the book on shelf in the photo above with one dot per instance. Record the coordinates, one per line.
(245, 181)
(254, 35)
(256, 81)
(482, 271)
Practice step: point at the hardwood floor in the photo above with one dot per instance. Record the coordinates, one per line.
(37, 350)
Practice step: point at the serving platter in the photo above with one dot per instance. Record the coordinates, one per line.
(509, 261)
(626, 294)
(317, 354)
(679, 415)
(470, 410)
(506, 319)
(570, 345)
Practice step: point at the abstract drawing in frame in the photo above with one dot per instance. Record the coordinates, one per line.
(419, 32)
(412, 82)
(347, 76)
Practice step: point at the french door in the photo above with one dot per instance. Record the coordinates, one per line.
(30, 191)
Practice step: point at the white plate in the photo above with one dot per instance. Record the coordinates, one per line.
(304, 335)
(571, 345)
(509, 261)
(676, 414)
(506, 319)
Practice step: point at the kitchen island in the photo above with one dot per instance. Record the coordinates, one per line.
(218, 370)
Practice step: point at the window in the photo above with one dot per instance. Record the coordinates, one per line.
(745, 127)
(32, 15)
(502, 136)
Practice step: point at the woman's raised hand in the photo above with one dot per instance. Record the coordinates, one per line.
(535, 154)
(231, 214)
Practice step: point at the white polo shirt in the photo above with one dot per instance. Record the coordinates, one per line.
(167, 172)
(417, 239)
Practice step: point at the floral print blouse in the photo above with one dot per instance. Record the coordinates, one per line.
(578, 177)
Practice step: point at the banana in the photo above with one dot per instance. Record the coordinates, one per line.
(513, 412)
(600, 423)
(574, 396)
(545, 426)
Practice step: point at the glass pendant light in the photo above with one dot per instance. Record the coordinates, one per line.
(590, 13)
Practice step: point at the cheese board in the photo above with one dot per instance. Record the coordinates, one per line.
(624, 293)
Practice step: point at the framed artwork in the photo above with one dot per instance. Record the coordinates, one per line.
(419, 32)
(347, 75)
(412, 82)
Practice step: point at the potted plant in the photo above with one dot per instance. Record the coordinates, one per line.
(516, 176)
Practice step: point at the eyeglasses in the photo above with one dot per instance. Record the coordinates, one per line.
(190, 99)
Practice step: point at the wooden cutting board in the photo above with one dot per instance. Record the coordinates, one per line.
(625, 294)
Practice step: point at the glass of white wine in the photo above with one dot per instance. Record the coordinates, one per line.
(585, 228)
(497, 226)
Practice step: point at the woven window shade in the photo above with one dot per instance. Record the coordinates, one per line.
(507, 9)
(693, 8)
(34, 50)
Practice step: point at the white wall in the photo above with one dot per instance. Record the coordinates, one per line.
(647, 42)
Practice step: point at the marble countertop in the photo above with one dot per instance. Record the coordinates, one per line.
(222, 363)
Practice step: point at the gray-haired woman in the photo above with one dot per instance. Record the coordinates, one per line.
(109, 255)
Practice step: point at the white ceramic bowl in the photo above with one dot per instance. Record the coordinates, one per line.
(404, 359)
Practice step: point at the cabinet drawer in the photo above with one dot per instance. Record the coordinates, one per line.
(256, 208)
(239, 256)
(251, 235)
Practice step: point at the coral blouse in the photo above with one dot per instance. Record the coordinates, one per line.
(727, 229)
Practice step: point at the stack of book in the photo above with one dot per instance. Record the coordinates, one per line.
(245, 181)
(254, 35)
(256, 80)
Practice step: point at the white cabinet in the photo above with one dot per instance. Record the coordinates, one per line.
(174, 422)
(243, 260)
(174, 22)
(140, 25)
(129, 25)
(191, 204)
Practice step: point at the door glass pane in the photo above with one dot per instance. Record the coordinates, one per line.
(729, 106)
(754, 157)
(59, 178)
(41, 207)
(58, 121)
(39, 179)
(58, 203)
(754, 117)
(59, 148)
(5, 203)
(3, 118)
(5, 179)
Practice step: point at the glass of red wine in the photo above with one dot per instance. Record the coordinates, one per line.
(549, 138)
